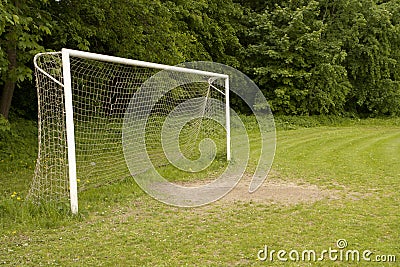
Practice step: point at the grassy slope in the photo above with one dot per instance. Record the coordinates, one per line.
(120, 225)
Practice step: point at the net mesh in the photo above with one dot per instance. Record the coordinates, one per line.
(102, 92)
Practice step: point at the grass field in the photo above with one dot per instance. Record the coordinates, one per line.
(355, 164)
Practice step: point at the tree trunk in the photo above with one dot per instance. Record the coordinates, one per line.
(9, 85)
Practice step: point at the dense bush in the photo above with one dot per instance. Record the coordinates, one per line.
(325, 57)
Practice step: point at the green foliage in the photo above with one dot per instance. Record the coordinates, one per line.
(369, 33)
(308, 57)
(4, 125)
(285, 122)
(296, 65)
(4, 17)
(328, 57)
(214, 24)
(23, 25)
(168, 32)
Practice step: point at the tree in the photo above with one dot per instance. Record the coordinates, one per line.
(258, 6)
(372, 63)
(369, 32)
(296, 64)
(322, 56)
(214, 24)
(139, 29)
(22, 26)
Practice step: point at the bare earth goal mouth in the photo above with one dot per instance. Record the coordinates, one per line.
(103, 118)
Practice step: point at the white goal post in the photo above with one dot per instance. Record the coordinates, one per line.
(82, 99)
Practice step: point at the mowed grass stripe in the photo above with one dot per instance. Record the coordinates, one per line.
(329, 156)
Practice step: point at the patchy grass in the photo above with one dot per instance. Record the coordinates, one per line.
(120, 225)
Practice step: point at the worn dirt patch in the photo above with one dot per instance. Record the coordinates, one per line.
(278, 191)
(275, 190)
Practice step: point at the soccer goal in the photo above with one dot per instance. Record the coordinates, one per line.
(84, 99)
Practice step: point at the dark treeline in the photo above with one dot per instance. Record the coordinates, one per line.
(337, 57)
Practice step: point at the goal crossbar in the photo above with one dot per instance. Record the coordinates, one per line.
(126, 61)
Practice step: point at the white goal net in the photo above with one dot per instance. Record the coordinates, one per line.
(83, 104)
